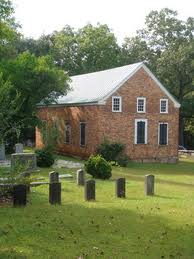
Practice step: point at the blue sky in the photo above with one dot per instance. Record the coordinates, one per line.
(124, 17)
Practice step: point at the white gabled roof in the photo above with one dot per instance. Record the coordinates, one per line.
(98, 86)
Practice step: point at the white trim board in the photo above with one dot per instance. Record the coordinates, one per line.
(159, 133)
(144, 104)
(146, 131)
(120, 103)
(164, 99)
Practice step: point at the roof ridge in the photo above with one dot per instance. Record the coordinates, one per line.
(114, 68)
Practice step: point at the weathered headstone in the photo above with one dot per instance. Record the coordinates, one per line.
(54, 177)
(2, 151)
(25, 160)
(19, 195)
(149, 184)
(80, 177)
(120, 188)
(90, 190)
(19, 148)
(55, 193)
(29, 143)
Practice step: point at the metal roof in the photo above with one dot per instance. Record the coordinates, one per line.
(94, 87)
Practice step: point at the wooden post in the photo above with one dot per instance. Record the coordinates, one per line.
(80, 177)
(55, 193)
(90, 192)
(54, 177)
(120, 188)
(19, 195)
(2, 151)
(149, 184)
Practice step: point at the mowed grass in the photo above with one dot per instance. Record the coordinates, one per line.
(161, 226)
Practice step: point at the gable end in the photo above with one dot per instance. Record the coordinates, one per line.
(158, 83)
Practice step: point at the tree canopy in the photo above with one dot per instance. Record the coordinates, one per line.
(34, 70)
(25, 79)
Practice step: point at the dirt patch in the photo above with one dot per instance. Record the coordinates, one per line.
(6, 201)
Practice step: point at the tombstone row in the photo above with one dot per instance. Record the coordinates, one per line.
(20, 191)
(18, 149)
(120, 188)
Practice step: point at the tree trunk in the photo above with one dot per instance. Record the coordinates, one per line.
(181, 118)
(181, 130)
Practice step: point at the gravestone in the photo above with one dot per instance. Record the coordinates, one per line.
(80, 177)
(149, 184)
(90, 192)
(54, 177)
(55, 193)
(19, 148)
(19, 195)
(120, 188)
(25, 160)
(2, 151)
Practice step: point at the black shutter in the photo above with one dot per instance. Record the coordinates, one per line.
(141, 132)
(163, 134)
(82, 134)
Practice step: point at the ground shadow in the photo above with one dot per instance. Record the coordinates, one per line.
(91, 231)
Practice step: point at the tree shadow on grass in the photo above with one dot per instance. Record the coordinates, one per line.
(166, 197)
(181, 168)
(91, 231)
(161, 181)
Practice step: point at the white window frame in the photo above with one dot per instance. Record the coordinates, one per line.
(67, 124)
(159, 133)
(166, 105)
(146, 131)
(144, 107)
(82, 122)
(120, 103)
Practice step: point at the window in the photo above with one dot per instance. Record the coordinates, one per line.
(82, 134)
(67, 133)
(163, 134)
(116, 104)
(141, 104)
(163, 105)
(141, 131)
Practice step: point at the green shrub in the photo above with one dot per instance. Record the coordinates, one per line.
(123, 160)
(110, 151)
(45, 157)
(98, 167)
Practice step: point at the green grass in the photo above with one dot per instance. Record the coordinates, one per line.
(136, 227)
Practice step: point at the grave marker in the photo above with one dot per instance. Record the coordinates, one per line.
(90, 192)
(120, 188)
(149, 184)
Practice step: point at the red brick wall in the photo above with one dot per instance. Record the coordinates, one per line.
(74, 115)
(102, 122)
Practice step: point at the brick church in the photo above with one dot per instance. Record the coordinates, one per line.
(125, 104)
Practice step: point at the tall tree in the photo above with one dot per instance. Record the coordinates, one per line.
(88, 49)
(167, 44)
(97, 48)
(26, 81)
(34, 79)
(8, 32)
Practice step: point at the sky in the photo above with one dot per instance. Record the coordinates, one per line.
(124, 17)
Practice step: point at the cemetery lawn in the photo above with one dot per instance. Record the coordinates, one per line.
(161, 226)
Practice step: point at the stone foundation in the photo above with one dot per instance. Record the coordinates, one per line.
(162, 160)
